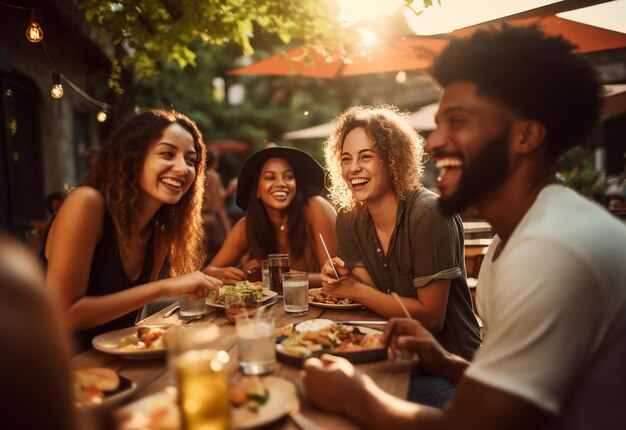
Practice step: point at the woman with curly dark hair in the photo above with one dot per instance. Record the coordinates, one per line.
(391, 234)
(278, 188)
(138, 206)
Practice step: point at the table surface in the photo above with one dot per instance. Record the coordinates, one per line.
(151, 375)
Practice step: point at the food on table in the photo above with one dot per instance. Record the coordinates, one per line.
(318, 295)
(145, 338)
(244, 290)
(331, 337)
(248, 392)
(91, 384)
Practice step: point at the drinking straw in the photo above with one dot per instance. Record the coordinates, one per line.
(404, 309)
(329, 257)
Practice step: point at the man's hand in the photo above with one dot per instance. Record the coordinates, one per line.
(332, 382)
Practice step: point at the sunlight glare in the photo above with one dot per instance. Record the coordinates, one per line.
(368, 37)
(354, 11)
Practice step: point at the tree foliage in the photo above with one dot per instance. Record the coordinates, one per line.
(147, 34)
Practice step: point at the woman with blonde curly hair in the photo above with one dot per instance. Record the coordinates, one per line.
(138, 206)
(391, 234)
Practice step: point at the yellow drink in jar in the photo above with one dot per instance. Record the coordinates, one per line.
(203, 390)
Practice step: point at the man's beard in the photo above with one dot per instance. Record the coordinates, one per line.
(486, 170)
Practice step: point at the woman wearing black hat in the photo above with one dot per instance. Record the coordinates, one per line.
(279, 190)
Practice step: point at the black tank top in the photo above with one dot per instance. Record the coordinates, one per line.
(107, 276)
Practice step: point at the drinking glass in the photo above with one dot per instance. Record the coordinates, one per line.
(296, 293)
(265, 272)
(256, 343)
(191, 307)
(278, 264)
(201, 374)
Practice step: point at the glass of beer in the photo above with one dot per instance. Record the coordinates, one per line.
(201, 374)
(278, 264)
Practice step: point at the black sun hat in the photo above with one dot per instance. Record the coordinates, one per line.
(309, 174)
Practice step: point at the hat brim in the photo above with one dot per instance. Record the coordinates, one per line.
(309, 173)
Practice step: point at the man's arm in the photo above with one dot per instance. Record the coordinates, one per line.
(335, 385)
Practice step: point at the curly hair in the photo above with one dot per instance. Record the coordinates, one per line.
(398, 144)
(116, 175)
(535, 74)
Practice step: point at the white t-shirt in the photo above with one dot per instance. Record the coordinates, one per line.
(553, 306)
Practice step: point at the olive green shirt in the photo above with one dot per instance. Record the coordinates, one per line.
(424, 246)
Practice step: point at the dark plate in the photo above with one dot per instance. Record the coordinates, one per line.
(111, 398)
(363, 356)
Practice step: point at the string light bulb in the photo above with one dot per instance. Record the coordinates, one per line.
(57, 88)
(34, 32)
(101, 116)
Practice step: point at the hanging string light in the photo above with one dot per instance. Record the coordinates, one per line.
(101, 116)
(57, 89)
(34, 32)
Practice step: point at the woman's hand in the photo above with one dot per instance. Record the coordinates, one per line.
(228, 275)
(196, 284)
(344, 287)
(328, 273)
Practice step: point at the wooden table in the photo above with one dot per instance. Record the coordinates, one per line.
(151, 375)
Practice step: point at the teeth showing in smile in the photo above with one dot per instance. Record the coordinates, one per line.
(448, 162)
(280, 193)
(359, 181)
(172, 182)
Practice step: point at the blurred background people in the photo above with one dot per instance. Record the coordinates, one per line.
(139, 205)
(279, 188)
(214, 215)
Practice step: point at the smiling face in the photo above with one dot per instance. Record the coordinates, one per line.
(363, 169)
(277, 184)
(470, 146)
(169, 167)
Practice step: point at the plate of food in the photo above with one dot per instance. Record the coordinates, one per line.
(298, 341)
(98, 386)
(145, 341)
(254, 290)
(255, 402)
(317, 297)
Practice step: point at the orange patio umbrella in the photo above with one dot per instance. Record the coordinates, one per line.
(389, 55)
(588, 38)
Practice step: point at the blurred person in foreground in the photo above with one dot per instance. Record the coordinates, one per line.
(392, 236)
(552, 288)
(138, 206)
(36, 350)
(279, 188)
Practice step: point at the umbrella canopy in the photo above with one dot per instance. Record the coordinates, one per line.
(421, 120)
(389, 55)
(417, 52)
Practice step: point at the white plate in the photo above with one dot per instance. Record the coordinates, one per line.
(267, 294)
(282, 399)
(333, 305)
(162, 407)
(108, 342)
